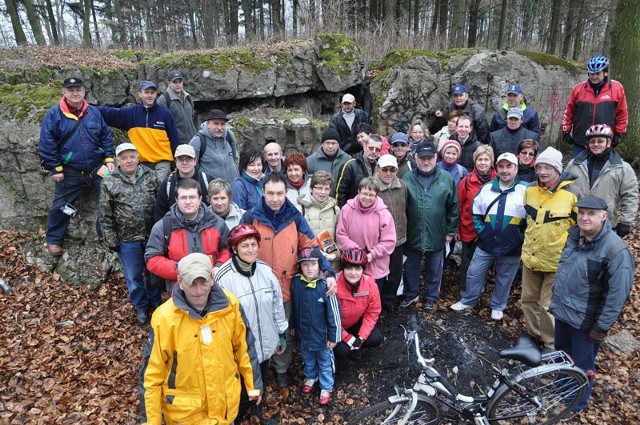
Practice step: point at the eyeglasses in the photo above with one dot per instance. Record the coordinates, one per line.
(374, 149)
(389, 169)
(525, 153)
(185, 159)
(400, 145)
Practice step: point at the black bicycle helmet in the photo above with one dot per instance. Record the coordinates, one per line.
(599, 130)
(354, 256)
(597, 64)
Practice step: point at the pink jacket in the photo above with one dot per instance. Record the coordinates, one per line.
(371, 229)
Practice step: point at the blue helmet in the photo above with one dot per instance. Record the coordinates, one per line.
(597, 64)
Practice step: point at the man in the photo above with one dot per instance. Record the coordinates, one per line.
(188, 227)
(216, 147)
(602, 172)
(499, 219)
(186, 168)
(508, 139)
(198, 348)
(284, 233)
(149, 126)
(467, 139)
(275, 160)
(550, 212)
(362, 165)
(599, 100)
(515, 99)
(393, 192)
(400, 149)
(471, 108)
(329, 157)
(347, 122)
(180, 103)
(593, 282)
(126, 216)
(75, 143)
(432, 214)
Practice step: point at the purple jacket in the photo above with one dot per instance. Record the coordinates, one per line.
(371, 229)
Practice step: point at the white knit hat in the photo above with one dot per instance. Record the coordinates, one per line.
(551, 156)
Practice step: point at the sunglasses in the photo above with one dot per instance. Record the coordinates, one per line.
(389, 169)
(523, 153)
(400, 145)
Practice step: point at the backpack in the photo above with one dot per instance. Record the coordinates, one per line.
(203, 144)
(154, 280)
(171, 184)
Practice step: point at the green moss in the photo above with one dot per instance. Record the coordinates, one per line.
(32, 75)
(338, 53)
(28, 101)
(546, 59)
(397, 57)
(136, 56)
(457, 51)
(219, 62)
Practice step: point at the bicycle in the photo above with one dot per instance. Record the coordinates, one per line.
(530, 388)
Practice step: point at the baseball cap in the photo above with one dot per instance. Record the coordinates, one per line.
(593, 202)
(72, 82)
(459, 89)
(193, 266)
(425, 150)
(309, 254)
(514, 89)
(387, 161)
(508, 156)
(147, 85)
(125, 147)
(216, 114)
(514, 112)
(399, 137)
(185, 150)
(174, 75)
(348, 98)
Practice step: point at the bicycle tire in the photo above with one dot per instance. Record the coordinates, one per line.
(387, 412)
(559, 391)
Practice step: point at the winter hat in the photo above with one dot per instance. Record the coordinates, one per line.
(331, 134)
(551, 156)
(450, 143)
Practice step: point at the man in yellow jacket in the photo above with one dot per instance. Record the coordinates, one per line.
(198, 349)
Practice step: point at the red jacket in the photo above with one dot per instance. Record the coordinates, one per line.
(467, 190)
(363, 304)
(585, 109)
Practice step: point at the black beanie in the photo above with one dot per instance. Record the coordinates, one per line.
(331, 134)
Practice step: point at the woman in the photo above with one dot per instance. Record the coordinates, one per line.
(219, 195)
(483, 172)
(258, 291)
(527, 152)
(400, 149)
(247, 189)
(295, 166)
(360, 306)
(449, 154)
(321, 212)
(449, 130)
(366, 223)
(416, 135)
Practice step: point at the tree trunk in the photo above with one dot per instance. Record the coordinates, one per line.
(443, 18)
(503, 23)
(34, 21)
(474, 8)
(606, 45)
(554, 30)
(162, 25)
(86, 24)
(233, 21)
(577, 44)
(249, 23)
(457, 27)
(207, 23)
(51, 18)
(569, 25)
(95, 23)
(18, 32)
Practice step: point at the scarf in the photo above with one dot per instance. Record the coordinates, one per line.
(255, 182)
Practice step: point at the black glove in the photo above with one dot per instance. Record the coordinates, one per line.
(623, 229)
(357, 343)
(568, 138)
(615, 140)
(114, 248)
(596, 336)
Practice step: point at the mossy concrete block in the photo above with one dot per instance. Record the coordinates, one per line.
(340, 62)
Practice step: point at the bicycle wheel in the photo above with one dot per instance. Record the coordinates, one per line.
(387, 412)
(558, 392)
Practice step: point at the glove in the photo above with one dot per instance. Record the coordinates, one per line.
(568, 138)
(623, 229)
(282, 344)
(357, 343)
(596, 336)
(615, 140)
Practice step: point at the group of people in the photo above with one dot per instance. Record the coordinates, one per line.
(248, 245)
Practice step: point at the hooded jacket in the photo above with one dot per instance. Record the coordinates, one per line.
(320, 218)
(371, 229)
(467, 191)
(351, 174)
(246, 191)
(219, 158)
(181, 108)
(362, 303)
(319, 161)
(349, 136)
(477, 114)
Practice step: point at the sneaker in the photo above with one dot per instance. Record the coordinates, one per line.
(408, 302)
(460, 307)
(429, 305)
(282, 379)
(307, 385)
(54, 250)
(142, 318)
(496, 314)
(325, 397)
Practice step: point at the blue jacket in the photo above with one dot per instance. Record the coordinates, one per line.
(89, 146)
(530, 119)
(246, 194)
(152, 130)
(315, 317)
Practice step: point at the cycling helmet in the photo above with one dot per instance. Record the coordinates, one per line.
(597, 64)
(242, 231)
(599, 130)
(355, 256)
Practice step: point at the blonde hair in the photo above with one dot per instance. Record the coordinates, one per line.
(483, 150)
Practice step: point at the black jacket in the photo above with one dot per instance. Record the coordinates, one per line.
(348, 136)
(351, 174)
(469, 147)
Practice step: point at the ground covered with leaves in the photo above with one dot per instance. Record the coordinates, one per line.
(70, 355)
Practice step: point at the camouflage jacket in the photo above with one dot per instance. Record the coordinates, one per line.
(126, 206)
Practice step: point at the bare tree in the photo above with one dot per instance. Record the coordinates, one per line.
(12, 9)
(34, 21)
(554, 30)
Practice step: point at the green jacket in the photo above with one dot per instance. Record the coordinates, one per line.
(432, 215)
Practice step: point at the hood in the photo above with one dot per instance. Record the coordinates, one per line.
(217, 301)
(378, 205)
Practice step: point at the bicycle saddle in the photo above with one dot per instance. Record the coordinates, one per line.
(524, 351)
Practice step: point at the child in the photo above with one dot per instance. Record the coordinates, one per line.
(450, 153)
(315, 322)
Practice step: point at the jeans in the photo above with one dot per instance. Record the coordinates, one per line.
(67, 192)
(579, 346)
(506, 269)
(319, 364)
(132, 259)
(433, 273)
(468, 248)
(281, 362)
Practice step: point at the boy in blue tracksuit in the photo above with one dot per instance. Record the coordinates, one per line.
(315, 322)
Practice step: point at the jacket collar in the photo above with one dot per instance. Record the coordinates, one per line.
(217, 301)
